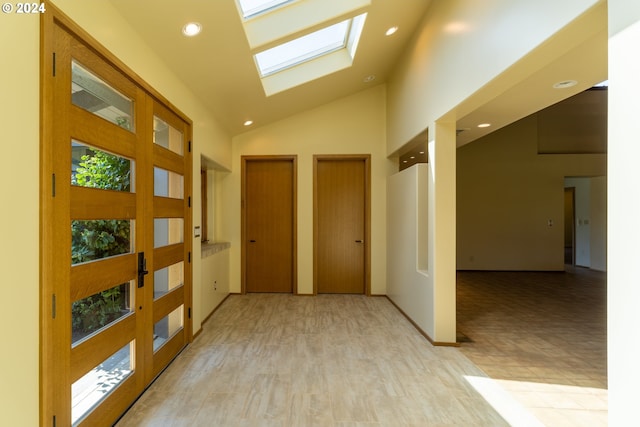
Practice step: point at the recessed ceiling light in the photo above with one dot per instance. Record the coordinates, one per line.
(191, 29)
(565, 84)
(391, 31)
(484, 125)
(369, 79)
(422, 152)
(248, 123)
(412, 157)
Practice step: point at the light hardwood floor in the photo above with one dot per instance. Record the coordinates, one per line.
(537, 357)
(330, 360)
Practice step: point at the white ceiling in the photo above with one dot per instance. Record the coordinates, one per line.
(218, 66)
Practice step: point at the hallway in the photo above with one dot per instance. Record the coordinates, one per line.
(346, 360)
(330, 360)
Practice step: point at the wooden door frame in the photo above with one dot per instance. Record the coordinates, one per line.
(51, 232)
(367, 214)
(243, 222)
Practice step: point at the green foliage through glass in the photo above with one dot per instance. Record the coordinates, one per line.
(96, 239)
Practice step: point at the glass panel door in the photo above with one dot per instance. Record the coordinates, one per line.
(116, 287)
(104, 160)
(171, 224)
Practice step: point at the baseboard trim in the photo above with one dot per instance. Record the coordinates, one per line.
(419, 329)
(209, 316)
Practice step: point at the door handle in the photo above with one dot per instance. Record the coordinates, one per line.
(252, 241)
(359, 241)
(142, 269)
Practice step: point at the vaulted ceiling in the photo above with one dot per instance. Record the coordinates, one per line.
(218, 65)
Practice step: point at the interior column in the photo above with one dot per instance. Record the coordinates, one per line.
(442, 227)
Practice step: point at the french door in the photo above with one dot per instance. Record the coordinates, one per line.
(115, 258)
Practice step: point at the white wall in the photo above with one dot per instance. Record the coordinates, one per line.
(591, 221)
(598, 235)
(623, 212)
(408, 285)
(582, 216)
(351, 125)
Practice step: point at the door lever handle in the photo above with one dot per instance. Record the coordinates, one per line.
(359, 241)
(142, 269)
(252, 241)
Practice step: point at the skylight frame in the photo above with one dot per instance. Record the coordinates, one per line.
(251, 8)
(269, 66)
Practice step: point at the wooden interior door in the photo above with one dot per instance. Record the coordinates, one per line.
(268, 224)
(341, 224)
(100, 309)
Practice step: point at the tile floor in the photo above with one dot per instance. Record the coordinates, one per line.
(334, 360)
(542, 337)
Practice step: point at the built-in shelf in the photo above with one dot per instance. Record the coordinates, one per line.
(211, 248)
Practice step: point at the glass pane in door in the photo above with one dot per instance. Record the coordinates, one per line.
(94, 168)
(95, 385)
(93, 94)
(167, 231)
(167, 136)
(167, 327)
(100, 238)
(167, 184)
(168, 278)
(93, 313)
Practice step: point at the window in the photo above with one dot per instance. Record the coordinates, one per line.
(254, 7)
(204, 206)
(344, 34)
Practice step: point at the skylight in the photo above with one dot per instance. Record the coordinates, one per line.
(344, 34)
(303, 48)
(254, 7)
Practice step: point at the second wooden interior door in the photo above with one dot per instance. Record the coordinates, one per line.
(269, 224)
(341, 224)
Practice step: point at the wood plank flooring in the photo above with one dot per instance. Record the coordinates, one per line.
(330, 360)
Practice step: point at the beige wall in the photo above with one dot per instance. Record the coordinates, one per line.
(507, 194)
(214, 274)
(448, 60)
(352, 125)
(623, 212)
(19, 172)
